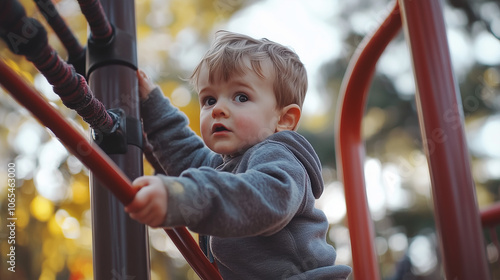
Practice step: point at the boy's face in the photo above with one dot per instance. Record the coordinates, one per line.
(239, 113)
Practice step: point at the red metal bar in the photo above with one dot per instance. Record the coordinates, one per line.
(350, 148)
(91, 156)
(490, 216)
(441, 123)
(98, 162)
(182, 237)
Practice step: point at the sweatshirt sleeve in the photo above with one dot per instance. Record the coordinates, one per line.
(175, 145)
(260, 201)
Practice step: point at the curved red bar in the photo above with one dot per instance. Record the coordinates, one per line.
(350, 148)
(98, 162)
(93, 157)
(490, 216)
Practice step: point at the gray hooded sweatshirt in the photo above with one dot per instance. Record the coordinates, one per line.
(257, 207)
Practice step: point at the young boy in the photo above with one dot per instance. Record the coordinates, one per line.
(250, 184)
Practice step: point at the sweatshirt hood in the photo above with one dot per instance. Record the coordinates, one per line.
(305, 153)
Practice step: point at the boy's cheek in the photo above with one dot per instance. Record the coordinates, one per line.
(254, 124)
(204, 130)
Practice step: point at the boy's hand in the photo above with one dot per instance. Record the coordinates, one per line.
(150, 203)
(145, 85)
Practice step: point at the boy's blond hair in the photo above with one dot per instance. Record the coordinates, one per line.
(226, 57)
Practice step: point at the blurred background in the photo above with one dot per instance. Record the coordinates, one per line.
(54, 236)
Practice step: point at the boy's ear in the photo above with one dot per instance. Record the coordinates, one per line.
(289, 120)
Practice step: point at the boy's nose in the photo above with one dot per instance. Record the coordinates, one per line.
(220, 110)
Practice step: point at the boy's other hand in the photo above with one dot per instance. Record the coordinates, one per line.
(150, 203)
(145, 85)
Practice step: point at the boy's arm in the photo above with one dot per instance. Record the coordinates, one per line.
(175, 145)
(260, 201)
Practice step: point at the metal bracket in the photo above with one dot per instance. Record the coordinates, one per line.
(119, 49)
(126, 130)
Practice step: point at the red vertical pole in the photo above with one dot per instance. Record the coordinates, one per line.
(350, 146)
(441, 121)
(120, 244)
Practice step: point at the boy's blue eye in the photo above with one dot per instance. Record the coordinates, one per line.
(241, 98)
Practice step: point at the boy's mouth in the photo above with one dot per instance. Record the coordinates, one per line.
(218, 128)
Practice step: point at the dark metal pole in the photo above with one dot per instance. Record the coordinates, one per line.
(120, 245)
(441, 121)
